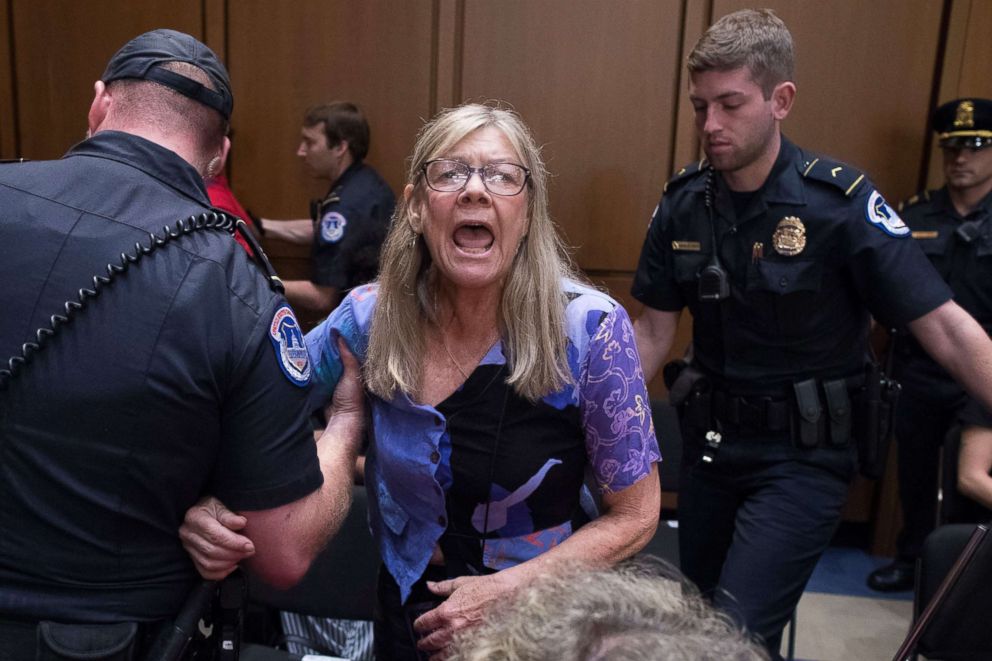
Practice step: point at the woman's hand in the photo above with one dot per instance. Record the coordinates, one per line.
(209, 535)
(469, 599)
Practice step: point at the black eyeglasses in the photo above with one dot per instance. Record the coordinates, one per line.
(446, 176)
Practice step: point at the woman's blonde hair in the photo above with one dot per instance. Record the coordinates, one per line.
(532, 310)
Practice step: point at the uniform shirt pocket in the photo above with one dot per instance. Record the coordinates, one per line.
(786, 277)
(934, 246)
(687, 265)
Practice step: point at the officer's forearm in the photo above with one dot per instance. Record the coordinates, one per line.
(298, 231)
(955, 340)
(288, 538)
(305, 295)
(654, 332)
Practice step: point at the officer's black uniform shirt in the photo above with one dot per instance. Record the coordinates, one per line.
(166, 386)
(966, 265)
(960, 248)
(350, 226)
(788, 317)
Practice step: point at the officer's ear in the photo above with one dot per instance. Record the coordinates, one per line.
(783, 96)
(99, 107)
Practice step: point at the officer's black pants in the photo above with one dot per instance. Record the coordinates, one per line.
(926, 413)
(753, 524)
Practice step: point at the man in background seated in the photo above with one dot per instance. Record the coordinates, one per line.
(347, 227)
(953, 227)
(186, 375)
(639, 609)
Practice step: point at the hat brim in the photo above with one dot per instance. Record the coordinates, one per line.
(969, 141)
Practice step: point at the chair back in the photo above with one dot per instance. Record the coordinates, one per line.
(953, 602)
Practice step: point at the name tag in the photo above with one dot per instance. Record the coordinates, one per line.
(688, 246)
(929, 234)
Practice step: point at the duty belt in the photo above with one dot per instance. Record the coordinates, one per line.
(756, 412)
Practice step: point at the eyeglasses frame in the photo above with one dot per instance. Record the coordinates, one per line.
(473, 171)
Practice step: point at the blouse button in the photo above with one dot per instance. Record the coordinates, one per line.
(435, 457)
(441, 520)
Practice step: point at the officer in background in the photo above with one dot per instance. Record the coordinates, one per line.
(952, 226)
(166, 365)
(346, 229)
(779, 254)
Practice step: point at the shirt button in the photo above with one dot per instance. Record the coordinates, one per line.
(435, 457)
(441, 520)
(783, 281)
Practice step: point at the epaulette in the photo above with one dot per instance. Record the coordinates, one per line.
(837, 174)
(922, 196)
(686, 172)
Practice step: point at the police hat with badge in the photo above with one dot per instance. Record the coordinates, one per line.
(964, 123)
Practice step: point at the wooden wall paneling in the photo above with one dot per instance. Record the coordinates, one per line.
(596, 85)
(698, 17)
(864, 75)
(8, 122)
(449, 24)
(376, 54)
(967, 55)
(215, 27)
(63, 47)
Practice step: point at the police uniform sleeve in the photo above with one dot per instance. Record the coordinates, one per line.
(267, 455)
(654, 281)
(890, 271)
(343, 234)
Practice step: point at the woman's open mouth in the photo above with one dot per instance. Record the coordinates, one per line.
(473, 238)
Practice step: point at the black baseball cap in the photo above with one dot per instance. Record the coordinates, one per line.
(140, 58)
(964, 123)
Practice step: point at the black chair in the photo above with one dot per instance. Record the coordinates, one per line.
(953, 603)
(341, 584)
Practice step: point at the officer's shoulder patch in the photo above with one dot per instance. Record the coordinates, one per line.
(685, 173)
(922, 196)
(291, 351)
(332, 226)
(839, 175)
(884, 217)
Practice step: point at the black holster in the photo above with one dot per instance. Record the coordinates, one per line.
(875, 411)
(689, 395)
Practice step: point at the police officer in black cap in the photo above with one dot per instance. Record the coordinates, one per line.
(145, 363)
(953, 227)
(779, 254)
(347, 227)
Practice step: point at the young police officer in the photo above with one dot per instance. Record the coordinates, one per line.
(952, 226)
(346, 228)
(780, 255)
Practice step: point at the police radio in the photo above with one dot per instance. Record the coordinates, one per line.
(713, 283)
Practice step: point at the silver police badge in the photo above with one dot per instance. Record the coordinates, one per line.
(789, 238)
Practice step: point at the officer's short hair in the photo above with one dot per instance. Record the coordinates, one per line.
(150, 102)
(342, 121)
(755, 38)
